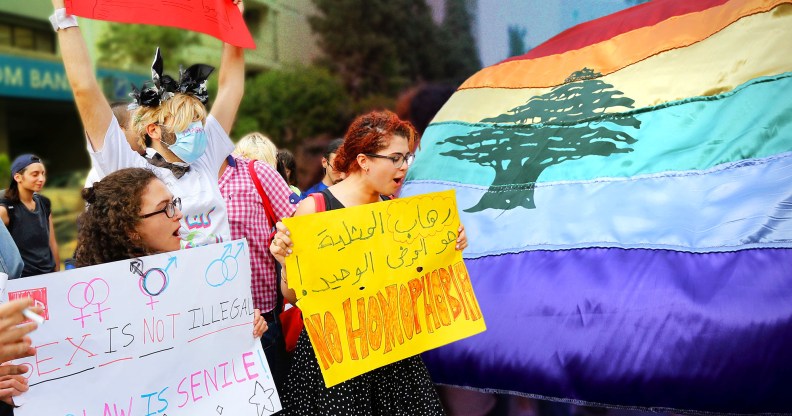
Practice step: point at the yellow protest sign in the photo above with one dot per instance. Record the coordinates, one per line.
(381, 282)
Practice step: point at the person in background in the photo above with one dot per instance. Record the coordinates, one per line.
(121, 113)
(287, 167)
(185, 144)
(13, 340)
(28, 216)
(257, 146)
(331, 176)
(247, 217)
(375, 156)
(420, 104)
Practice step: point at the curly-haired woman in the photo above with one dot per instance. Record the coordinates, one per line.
(115, 224)
(131, 213)
(375, 155)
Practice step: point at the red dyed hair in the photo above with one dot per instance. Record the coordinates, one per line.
(369, 134)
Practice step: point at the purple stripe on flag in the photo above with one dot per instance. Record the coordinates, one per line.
(709, 332)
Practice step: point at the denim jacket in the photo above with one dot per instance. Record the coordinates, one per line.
(10, 260)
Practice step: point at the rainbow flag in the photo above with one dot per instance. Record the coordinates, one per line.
(627, 192)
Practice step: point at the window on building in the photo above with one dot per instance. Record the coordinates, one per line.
(23, 38)
(274, 24)
(261, 21)
(5, 35)
(44, 42)
(255, 18)
(34, 36)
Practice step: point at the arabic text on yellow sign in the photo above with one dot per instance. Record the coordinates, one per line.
(381, 282)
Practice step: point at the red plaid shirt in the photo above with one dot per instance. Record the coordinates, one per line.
(248, 219)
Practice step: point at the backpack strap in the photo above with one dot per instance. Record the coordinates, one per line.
(10, 210)
(319, 200)
(264, 199)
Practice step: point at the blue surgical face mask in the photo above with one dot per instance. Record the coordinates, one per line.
(190, 143)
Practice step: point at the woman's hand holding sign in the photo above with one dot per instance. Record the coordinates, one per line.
(281, 244)
(461, 239)
(259, 324)
(280, 249)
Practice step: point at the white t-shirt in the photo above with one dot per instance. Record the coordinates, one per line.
(93, 176)
(205, 218)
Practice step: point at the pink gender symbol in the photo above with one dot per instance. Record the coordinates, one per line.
(89, 297)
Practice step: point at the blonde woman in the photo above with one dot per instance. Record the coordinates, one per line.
(185, 145)
(257, 146)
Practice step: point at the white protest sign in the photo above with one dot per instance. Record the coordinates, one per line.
(169, 334)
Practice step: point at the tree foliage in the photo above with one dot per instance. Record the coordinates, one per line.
(460, 54)
(564, 124)
(5, 167)
(517, 45)
(293, 104)
(125, 45)
(383, 46)
(376, 46)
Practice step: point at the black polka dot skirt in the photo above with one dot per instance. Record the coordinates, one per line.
(399, 389)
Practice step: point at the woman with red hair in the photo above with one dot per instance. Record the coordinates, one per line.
(376, 152)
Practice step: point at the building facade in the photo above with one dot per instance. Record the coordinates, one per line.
(37, 111)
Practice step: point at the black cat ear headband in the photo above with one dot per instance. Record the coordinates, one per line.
(152, 93)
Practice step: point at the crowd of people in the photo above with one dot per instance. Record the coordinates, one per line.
(166, 157)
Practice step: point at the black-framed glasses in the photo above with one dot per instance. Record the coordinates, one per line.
(398, 159)
(169, 210)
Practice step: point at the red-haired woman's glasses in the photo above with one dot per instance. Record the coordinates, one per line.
(398, 159)
(169, 210)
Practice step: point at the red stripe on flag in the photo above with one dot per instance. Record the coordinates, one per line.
(606, 27)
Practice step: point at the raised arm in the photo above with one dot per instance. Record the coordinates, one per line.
(231, 85)
(93, 107)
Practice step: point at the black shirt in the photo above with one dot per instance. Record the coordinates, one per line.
(31, 233)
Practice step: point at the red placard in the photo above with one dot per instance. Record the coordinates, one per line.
(38, 295)
(218, 18)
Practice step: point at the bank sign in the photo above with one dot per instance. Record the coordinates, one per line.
(41, 79)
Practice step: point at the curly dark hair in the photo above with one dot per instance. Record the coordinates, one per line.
(110, 217)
